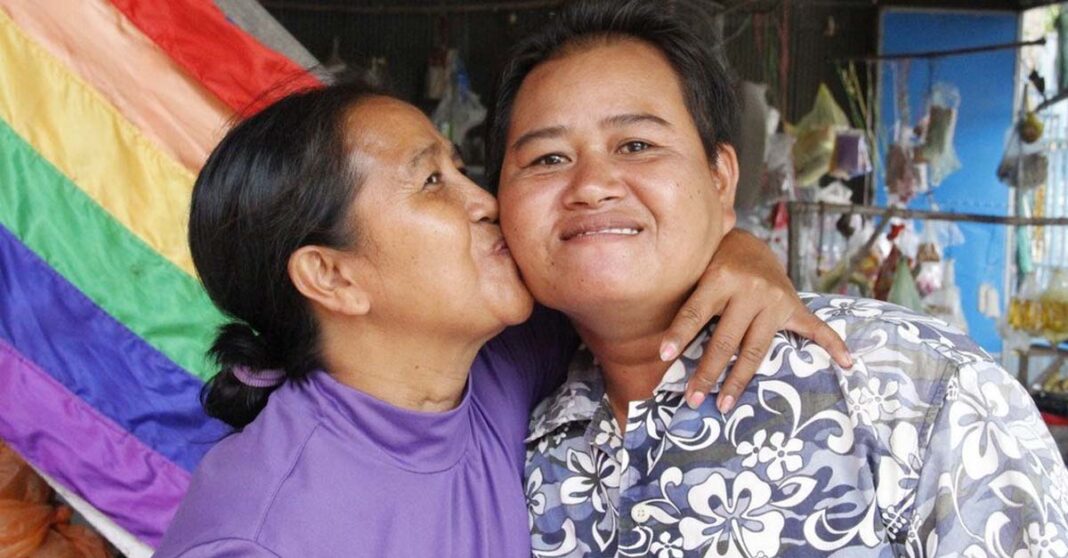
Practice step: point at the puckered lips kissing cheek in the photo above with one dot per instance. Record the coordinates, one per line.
(500, 248)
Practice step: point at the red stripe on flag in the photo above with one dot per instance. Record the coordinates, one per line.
(230, 63)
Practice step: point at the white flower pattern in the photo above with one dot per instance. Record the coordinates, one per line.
(925, 448)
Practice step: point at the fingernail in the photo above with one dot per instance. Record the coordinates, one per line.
(726, 403)
(667, 351)
(849, 361)
(695, 399)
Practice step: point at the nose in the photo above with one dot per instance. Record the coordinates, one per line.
(481, 205)
(594, 182)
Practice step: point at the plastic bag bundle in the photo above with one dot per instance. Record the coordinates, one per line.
(30, 527)
(941, 125)
(816, 134)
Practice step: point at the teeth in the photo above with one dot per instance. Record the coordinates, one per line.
(623, 231)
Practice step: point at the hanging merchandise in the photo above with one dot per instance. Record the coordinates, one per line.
(335, 64)
(906, 176)
(460, 108)
(437, 78)
(377, 73)
(815, 135)
(851, 157)
(1023, 165)
(1030, 127)
(939, 129)
(1054, 305)
(778, 240)
(884, 279)
(929, 259)
(903, 289)
(437, 74)
(945, 303)
(778, 178)
(1025, 309)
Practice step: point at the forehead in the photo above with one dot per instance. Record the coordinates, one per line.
(618, 75)
(388, 129)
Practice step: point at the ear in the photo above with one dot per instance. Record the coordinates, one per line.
(327, 278)
(725, 174)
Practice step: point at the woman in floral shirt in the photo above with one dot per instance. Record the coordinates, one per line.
(616, 135)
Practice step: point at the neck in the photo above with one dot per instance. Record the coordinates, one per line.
(413, 370)
(625, 339)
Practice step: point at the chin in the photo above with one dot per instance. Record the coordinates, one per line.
(513, 304)
(520, 313)
(577, 296)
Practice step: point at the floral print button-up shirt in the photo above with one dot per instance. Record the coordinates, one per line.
(926, 447)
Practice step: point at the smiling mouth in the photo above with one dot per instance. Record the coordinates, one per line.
(613, 231)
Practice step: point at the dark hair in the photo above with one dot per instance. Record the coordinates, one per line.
(279, 180)
(706, 87)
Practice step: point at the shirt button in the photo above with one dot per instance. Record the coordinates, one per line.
(640, 514)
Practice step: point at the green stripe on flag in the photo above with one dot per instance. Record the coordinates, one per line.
(115, 269)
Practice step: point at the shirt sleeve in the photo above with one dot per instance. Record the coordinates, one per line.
(537, 353)
(991, 481)
(224, 548)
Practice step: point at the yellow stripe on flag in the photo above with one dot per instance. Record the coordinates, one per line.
(79, 132)
(98, 43)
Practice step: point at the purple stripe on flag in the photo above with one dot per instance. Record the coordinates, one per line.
(85, 451)
(85, 349)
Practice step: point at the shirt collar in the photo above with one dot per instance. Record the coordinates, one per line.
(582, 394)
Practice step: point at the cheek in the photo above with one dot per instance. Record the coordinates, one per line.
(521, 214)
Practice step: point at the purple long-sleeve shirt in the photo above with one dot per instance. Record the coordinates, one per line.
(326, 470)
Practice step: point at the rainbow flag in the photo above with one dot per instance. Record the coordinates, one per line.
(108, 108)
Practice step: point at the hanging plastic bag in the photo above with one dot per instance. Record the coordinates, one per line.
(905, 176)
(944, 303)
(1023, 165)
(777, 183)
(929, 260)
(939, 129)
(903, 290)
(460, 108)
(1055, 308)
(815, 135)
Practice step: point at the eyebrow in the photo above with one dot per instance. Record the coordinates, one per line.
(541, 133)
(621, 120)
(428, 151)
(615, 121)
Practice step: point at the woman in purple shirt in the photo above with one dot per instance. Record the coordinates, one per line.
(380, 409)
